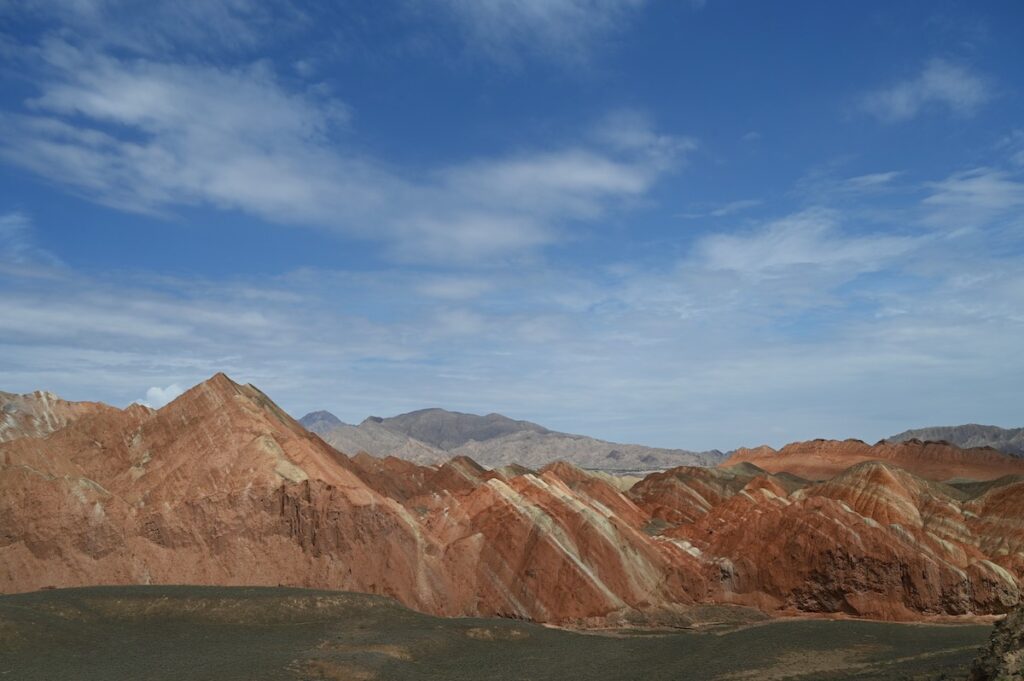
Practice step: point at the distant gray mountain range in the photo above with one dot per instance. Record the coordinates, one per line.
(1007, 440)
(433, 435)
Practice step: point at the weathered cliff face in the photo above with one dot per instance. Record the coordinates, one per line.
(221, 487)
(821, 459)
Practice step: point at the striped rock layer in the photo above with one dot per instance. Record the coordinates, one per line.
(222, 487)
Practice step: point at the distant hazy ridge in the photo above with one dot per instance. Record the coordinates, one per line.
(1007, 440)
(434, 435)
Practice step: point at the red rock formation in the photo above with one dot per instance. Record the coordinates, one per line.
(40, 413)
(875, 541)
(222, 487)
(821, 459)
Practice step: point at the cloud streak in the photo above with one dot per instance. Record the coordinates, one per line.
(940, 85)
(238, 139)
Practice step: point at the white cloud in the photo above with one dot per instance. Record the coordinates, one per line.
(239, 139)
(633, 131)
(974, 198)
(157, 397)
(940, 84)
(810, 238)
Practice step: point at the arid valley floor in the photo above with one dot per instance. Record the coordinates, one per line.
(278, 634)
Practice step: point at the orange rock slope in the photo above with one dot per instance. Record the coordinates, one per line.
(222, 487)
(821, 459)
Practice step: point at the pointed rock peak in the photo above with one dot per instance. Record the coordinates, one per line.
(766, 482)
(878, 473)
(744, 468)
(565, 471)
(321, 415)
(760, 450)
(219, 391)
(866, 468)
(514, 470)
(139, 409)
(465, 463)
(363, 459)
(221, 380)
(219, 383)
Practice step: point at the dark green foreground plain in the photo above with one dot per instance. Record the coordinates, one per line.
(270, 634)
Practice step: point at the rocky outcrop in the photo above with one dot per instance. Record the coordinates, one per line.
(875, 541)
(821, 459)
(39, 413)
(222, 487)
(1003, 658)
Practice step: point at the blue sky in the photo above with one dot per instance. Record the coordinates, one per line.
(690, 224)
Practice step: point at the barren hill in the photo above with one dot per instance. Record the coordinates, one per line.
(433, 435)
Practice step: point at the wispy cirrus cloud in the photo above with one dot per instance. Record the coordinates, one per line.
(941, 84)
(722, 210)
(972, 199)
(149, 136)
(18, 247)
(810, 238)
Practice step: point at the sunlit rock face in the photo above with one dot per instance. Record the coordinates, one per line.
(222, 487)
(40, 413)
(822, 459)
